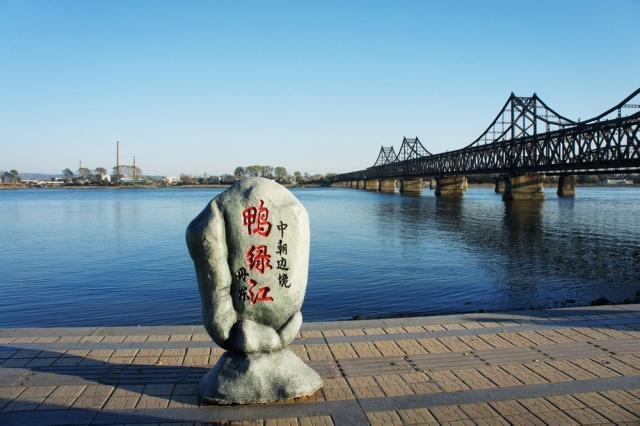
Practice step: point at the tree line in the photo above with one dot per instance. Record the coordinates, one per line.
(12, 176)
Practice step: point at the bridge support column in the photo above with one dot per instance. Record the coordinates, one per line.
(523, 187)
(362, 184)
(411, 186)
(372, 185)
(432, 184)
(499, 185)
(388, 185)
(451, 186)
(567, 186)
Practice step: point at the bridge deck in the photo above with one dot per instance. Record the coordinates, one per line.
(577, 365)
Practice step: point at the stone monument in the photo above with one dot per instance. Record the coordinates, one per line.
(250, 248)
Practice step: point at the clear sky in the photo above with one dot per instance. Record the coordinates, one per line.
(199, 87)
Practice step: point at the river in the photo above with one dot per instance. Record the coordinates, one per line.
(118, 256)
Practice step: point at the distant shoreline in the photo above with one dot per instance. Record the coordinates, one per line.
(218, 186)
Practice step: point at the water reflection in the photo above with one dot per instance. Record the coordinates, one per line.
(121, 256)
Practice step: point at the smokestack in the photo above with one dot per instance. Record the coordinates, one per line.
(117, 160)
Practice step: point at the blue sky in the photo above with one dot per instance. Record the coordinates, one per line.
(199, 87)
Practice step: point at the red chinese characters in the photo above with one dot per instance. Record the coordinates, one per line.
(258, 294)
(258, 258)
(257, 220)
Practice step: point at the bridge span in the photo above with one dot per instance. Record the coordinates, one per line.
(526, 141)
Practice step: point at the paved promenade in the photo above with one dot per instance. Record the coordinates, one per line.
(564, 366)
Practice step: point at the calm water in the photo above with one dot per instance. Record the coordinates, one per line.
(118, 257)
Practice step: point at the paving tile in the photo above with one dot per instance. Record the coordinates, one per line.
(97, 391)
(595, 368)
(508, 408)
(537, 405)
(525, 419)
(342, 350)
(491, 421)
(125, 352)
(547, 372)
(353, 332)
(475, 343)
(448, 413)
(620, 397)
(384, 418)
(535, 337)
(474, 379)
(447, 381)
(565, 402)
(152, 402)
(617, 366)
(433, 346)
(616, 414)
(393, 385)
(416, 416)
(411, 347)
(478, 410)
(453, 327)
(592, 399)
(454, 344)
(394, 330)
(318, 352)
(499, 376)
(337, 389)
(366, 349)
(332, 333)
(315, 421)
(496, 341)
(554, 417)
(523, 374)
(571, 370)
(157, 352)
(184, 401)
(121, 402)
(389, 348)
(585, 416)
(300, 351)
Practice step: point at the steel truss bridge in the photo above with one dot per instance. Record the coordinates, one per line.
(526, 137)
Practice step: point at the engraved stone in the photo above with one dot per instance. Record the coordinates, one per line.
(250, 248)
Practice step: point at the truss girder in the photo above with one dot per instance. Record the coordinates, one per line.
(598, 147)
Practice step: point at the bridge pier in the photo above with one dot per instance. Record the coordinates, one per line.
(499, 185)
(362, 184)
(372, 185)
(411, 186)
(432, 184)
(523, 187)
(567, 186)
(387, 185)
(451, 186)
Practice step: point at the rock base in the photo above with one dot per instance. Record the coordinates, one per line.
(261, 377)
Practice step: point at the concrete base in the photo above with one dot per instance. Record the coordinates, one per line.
(451, 186)
(499, 189)
(567, 186)
(411, 187)
(261, 377)
(523, 187)
(388, 185)
(372, 185)
(361, 184)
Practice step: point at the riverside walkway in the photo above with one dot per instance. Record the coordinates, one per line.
(559, 366)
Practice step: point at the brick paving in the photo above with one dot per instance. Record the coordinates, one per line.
(561, 366)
